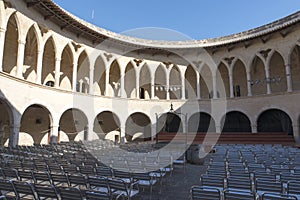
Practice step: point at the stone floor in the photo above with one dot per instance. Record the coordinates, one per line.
(178, 185)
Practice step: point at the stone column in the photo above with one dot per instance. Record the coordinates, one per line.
(20, 59)
(39, 66)
(167, 89)
(122, 85)
(249, 84)
(198, 86)
(183, 97)
(74, 76)
(137, 84)
(14, 135)
(2, 42)
(231, 85)
(153, 131)
(54, 134)
(57, 72)
(152, 87)
(289, 78)
(296, 134)
(122, 134)
(91, 81)
(106, 82)
(268, 81)
(215, 90)
(254, 128)
(218, 129)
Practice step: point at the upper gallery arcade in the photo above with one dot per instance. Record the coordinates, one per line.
(48, 55)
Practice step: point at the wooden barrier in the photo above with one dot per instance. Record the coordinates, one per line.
(228, 138)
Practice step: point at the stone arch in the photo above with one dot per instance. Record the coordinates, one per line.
(239, 76)
(277, 73)
(145, 82)
(73, 122)
(160, 82)
(190, 83)
(169, 122)
(223, 80)
(274, 120)
(201, 122)
(129, 80)
(10, 53)
(30, 55)
(36, 121)
(99, 76)
(83, 70)
(114, 79)
(206, 82)
(107, 126)
(295, 67)
(236, 121)
(138, 127)
(6, 121)
(66, 68)
(258, 76)
(48, 67)
(175, 82)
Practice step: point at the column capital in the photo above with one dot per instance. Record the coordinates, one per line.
(2, 30)
(22, 42)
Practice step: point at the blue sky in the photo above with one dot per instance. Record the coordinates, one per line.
(190, 19)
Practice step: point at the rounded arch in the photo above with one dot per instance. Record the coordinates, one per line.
(107, 126)
(6, 121)
(48, 66)
(295, 67)
(169, 122)
(73, 122)
(99, 76)
(175, 82)
(236, 121)
(36, 121)
(11, 46)
(138, 127)
(114, 79)
(83, 70)
(190, 83)
(274, 120)
(201, 122)
(160, 82)
(66, 68)
(129, 80)
(223, 80)
(239, 76)
(277, 73)
(30, 55)
(145, 82)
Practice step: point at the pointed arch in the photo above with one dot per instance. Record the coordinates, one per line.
(129, 80)
(83, 70)
(66, 68)
(190, 83)
(145, 82)
(239, 76)
(30, 56)
(175, 83)
(48, 67)
(206, 82)
(114, 79)
(258, 74)
(11, 46)
(277, 73)
(223, 84)
(295, 67)
(160, 82)
(99, 76)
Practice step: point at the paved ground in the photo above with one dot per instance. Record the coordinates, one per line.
(178, 185)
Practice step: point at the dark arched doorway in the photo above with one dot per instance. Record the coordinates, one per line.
(169, 122)
(201, 123)
(236, 122)
(274, 120)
